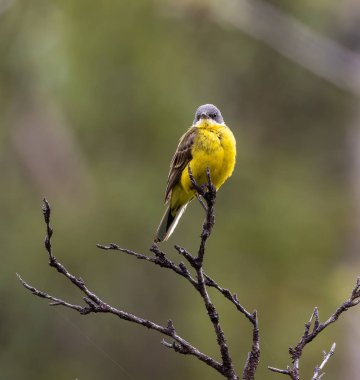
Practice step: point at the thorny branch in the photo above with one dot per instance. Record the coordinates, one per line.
(200, 281)
(312, 329)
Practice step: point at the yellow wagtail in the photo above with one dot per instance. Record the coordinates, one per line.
(209, 143)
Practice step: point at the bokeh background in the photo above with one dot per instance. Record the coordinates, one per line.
(93, 99)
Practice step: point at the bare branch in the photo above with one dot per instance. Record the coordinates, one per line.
(317, 373)
(201, 201)
(188, 256)
(56, 301)
(201, 282)
(93, 304)
(96, 305)
(313, 328)
(159, 259)
(254, 355)
(278, 370)
(207, 193)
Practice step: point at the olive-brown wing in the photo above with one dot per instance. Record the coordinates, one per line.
(180, 159)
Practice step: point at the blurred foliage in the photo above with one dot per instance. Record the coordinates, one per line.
(93, 99)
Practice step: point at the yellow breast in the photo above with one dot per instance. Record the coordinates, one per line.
(215, 148)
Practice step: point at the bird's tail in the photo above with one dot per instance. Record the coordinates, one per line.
(168, 223)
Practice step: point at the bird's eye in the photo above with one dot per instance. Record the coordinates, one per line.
(213, 115)
(197, 117)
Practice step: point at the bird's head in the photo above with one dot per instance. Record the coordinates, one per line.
(208, 113)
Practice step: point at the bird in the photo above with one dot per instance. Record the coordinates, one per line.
(208, 143)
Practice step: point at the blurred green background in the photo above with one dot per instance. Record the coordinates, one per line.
(93, 99)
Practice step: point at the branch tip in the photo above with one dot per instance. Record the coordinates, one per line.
(170, 326)
(46, 210)
(55, 303)
(165, 343)
(278, 370)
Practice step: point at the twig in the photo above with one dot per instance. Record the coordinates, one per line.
(282, 371)
(312, 329)
(208, 193)
(317, 372)
(201, 201)
(159, 259)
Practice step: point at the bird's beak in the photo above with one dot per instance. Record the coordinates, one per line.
(204, 116)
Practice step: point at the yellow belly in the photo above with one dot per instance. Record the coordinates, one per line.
(214, 148)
